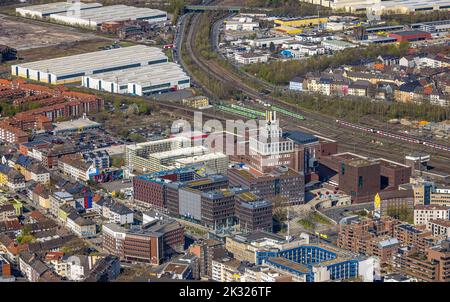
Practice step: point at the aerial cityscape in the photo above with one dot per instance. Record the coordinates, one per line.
(225, 141)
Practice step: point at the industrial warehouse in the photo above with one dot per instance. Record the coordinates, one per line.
(72, 68)
(95, 17)
(45, 10)
(143, 80)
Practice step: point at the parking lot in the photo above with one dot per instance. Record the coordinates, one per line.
(33, 35)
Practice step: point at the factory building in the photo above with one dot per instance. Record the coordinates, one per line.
(383, 6)
(45, 10)
(144, 80)
(72, 68)
(95, 17)
(300, 22)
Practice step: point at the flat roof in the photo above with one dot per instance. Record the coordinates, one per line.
(57, 7)
(75, 124)
(115, 13)
(144, 75)
(200, 158)
(97, 60)
(410, 32)
(175, 139)
(339, 43)
(291, 264)
(189, 151)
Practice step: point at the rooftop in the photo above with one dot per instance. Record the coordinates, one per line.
(146, 75)
(117, 13)
(75, 124)
(97, 60)
(56, 7)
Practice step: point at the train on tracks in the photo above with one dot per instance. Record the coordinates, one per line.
(401, 137)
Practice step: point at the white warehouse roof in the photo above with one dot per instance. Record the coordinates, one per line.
(55, 8)
(97, 16)
(144, 75)
(98, 60)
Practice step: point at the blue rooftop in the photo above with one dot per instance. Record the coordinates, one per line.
(300, 138)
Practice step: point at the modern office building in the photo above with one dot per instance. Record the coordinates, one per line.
(431, 265)
(138, 245)
(281, 182)
(429, 193)
(245, 247)
(72, 68)
(319, 263)
(424, 213)
(137, 155)
(217, 208)
(253, 213)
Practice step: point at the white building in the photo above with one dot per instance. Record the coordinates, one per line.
(250, 58)
(439, 227)
(334, 26)
(117, 213)
(142, 80)
(337, 45)
(241, 23)
(72, 68)
(97, 16)
(45, 10)
(383, 6)
(424, 213)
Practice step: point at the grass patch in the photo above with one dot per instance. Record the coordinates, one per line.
(307, 224)
(316, 217)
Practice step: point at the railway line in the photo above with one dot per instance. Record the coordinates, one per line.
(316, 123)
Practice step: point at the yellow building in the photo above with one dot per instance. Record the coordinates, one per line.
(288, 30)
(302, 22)
(3, 178)
(196, 101)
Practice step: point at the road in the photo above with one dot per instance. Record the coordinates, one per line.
(337, 213)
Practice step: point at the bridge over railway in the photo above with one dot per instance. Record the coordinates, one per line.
(203, 8)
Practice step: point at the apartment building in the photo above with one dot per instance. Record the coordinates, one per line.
(75, 167)
(206, 250)
(253, 213)
(430, 265)
(369, 237)
(424, 213)
(439, 227)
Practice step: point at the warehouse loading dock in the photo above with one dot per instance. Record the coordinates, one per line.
(143, 80)
(72, 68)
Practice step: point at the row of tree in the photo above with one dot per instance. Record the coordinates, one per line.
(354, 109)
(280, 72)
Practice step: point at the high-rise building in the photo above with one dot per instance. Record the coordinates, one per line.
(253, 213)
(282, 183)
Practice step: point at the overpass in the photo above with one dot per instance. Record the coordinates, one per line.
(202, 8)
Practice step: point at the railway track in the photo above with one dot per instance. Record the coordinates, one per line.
(315, 123)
